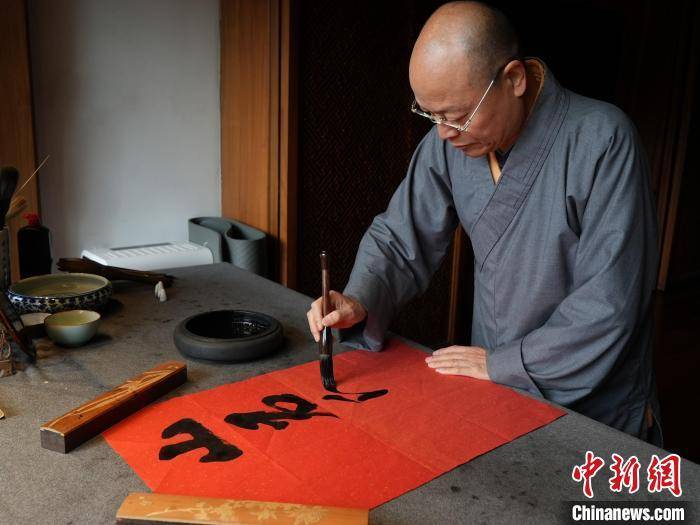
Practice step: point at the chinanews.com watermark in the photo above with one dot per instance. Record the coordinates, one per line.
(609, 512)
(661, 475)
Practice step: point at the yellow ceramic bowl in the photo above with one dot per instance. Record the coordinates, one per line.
(72, 327)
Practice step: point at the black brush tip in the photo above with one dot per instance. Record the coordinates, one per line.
(327, 371)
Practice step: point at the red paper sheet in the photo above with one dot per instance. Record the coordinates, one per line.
(372, 452)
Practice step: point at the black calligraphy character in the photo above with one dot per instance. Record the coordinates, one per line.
(363, 396)
(251, 420)
(202, 437)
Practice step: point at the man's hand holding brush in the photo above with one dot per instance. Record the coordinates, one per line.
(345, 312)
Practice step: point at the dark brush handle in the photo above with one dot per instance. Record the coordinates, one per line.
(112, 272)
(325, 284)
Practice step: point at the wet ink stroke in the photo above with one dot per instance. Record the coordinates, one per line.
(219, 450)
(363, 396)
(252, 420)
(202, 437)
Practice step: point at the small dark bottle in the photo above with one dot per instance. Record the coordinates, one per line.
(33, 245)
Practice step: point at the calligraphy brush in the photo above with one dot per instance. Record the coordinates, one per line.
(18, 202)
(8, 183)
(325, 344)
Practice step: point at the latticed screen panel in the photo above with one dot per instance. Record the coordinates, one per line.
(356, 138)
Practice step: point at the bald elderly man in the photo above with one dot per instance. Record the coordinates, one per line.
(553, 190)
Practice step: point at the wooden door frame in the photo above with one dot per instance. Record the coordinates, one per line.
(16, 124)
(259, 123)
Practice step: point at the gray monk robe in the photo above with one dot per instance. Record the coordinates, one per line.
(565, 248)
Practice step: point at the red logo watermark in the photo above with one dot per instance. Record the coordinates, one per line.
(662, 474)
(665, 474)
(625, 474)
(586, 472)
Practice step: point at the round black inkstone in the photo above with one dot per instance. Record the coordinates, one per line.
(228, 336)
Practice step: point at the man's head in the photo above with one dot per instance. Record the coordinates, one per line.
(462, 47)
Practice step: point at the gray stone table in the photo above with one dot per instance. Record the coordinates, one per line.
(525, 481)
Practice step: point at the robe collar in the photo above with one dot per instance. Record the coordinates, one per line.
(522, 167)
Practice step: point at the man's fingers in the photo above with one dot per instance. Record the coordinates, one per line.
(336, 302)
(447, 363)
(455, 371)
(444, 350)
(332, 318)
(452, 350)
(345, 313)
(460, 357)
(467, 371)
(336, 298)
(460, 360)
(317, 312)
(313, 325)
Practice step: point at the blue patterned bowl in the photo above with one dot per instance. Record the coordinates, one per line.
(58, 292)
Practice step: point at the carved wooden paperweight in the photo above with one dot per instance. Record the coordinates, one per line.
(165, 509)
(68, 431)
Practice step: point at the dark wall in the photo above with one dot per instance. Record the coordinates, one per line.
(684, 270)
(356, 137)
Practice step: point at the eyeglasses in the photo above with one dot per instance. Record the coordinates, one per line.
(439, 119)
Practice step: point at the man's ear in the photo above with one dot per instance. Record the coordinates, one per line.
(516, 77)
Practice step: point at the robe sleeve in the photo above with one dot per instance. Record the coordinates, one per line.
(403, 246)
(569, 356)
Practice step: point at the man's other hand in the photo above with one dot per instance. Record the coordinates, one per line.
(345, 312)
(460, 360)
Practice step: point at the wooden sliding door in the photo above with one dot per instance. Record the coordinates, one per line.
(258, 137)
(16, 127)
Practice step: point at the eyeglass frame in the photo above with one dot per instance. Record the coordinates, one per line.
(440, 120)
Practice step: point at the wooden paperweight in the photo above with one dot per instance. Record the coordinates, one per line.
(165, 509)
(68, 431)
